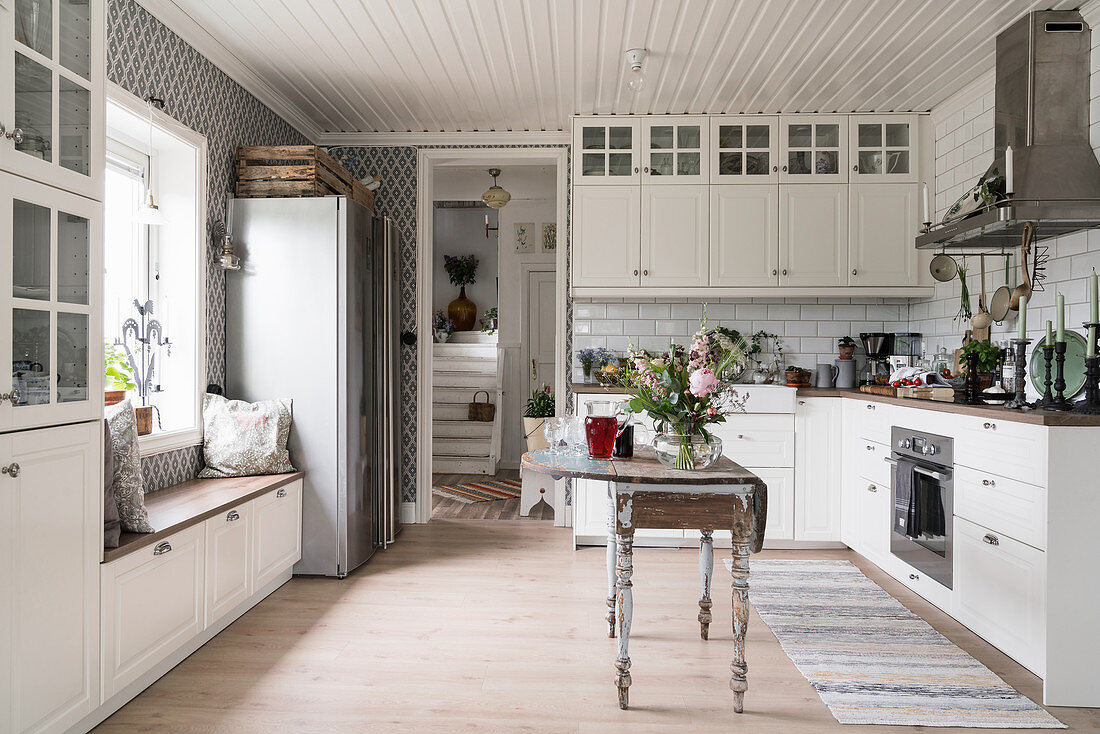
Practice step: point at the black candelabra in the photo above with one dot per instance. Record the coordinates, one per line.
(1091, 404)
(1019, 400)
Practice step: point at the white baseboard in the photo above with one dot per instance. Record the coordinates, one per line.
(408, 513)
(120, 699)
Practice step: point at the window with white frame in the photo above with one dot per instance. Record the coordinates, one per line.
(154, 291)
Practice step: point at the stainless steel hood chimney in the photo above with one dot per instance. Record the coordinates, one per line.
(1042, 112)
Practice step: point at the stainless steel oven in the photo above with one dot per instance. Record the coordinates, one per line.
(921, 487)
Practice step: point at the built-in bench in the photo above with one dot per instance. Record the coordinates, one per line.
(219, 547)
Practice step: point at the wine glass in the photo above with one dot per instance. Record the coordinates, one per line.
(575, 435)
(553, 432)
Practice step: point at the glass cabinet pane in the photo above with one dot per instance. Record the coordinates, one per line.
(729, 164)
(31, 252)
(826, 162)
(34, 25)
(74, 112)
(30, 350)
(592, 164)
(34, 107)
(828, 136)
(660, 137)
(897, 135)
(757, 164)
(660, 164)
(687, 164)
(619, 138)
(72, 357)
(799, 136)
(593, 138)
(72, 258)
(869, 136)
(619, 164)
(897, 161)
(688, 136)
(870, 161)
(729, 136)
(798, 162)
(757, 136)
(76, 37)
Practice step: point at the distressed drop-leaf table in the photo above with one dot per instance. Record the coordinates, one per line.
(644, 493)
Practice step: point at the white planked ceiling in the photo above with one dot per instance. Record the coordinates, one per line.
(374, 66)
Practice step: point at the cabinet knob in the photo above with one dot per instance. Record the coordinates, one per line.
(856, 168)
(635, 169)
(870, 447)
(281, 493)
(988, 483)
(645, 170)
(233, 516)
(801, 402)
(853, 271)
(775, 272)
(740, 436)
(784, 271)
(872, 488)
(12, 470)
(635, 271)
(913, 576)
(161, 548)
(15, 135)
(991, 539)
(645, 272)
(870, 407)
(989, 426)
(775, 168)
(13, 396)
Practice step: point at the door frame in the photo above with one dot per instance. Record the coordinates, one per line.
(426, 161)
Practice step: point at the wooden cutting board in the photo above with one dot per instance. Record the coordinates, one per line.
(939, 393)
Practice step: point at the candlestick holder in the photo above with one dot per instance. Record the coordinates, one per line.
(1091, 404)
(925, 227)
(1059, 401)
(1019, 379)
(1048, 400)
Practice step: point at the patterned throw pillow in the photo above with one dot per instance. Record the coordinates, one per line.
(244, 439)
(129, 491)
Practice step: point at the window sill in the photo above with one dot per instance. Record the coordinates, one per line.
(159, 443)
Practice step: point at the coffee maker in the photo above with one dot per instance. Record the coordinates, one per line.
(878, 345)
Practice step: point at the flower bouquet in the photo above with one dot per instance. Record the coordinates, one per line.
(593, 358)
(686, 389)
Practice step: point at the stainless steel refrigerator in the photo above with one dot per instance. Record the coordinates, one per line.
(313, 316)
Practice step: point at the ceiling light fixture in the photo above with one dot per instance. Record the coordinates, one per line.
(149, 213)
(636, 79)
(495, 197)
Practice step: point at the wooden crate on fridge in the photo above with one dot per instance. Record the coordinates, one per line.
(295, 171)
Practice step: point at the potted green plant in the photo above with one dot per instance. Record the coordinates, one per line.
(118, 374)
(845, 347)
(442, 327)
(490, 321)
(540, 406)
(988, 354)
(462, 272)
(797, 376)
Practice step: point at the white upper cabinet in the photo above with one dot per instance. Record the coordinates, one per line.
(675, 235)
(883, 221)
(52, 92)
(607, 219)
(813, 226)
(744, 233)
(814, 149)
(606, 150)
(744, 150)
(883, 148)
(51, 325)
(675, 150)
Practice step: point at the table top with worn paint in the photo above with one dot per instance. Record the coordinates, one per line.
(644, 468)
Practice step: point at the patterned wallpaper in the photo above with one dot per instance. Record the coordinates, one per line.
(144, 57)
(397, 199)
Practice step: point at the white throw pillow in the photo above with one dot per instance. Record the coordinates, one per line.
(244, 439)
(129, 488)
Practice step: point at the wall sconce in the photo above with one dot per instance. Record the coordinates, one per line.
(227, 260)
(489, 229)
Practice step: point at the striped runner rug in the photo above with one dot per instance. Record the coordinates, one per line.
(871, 660)
(493, 489)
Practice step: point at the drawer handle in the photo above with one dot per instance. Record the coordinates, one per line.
(992, 539)
(870, 447)
(13, 396)
(740, 436)
(872, 488)
(233, 516)
(12, 470)
(801, 402)
(989, 426)
(989, 483)
(162, 548)
(870, 407)
(914, 577)
(281, 493)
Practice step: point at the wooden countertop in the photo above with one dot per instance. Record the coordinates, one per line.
(594, 388)
(644, 468)
(183, 505)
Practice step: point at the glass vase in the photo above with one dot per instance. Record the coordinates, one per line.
(689, 453)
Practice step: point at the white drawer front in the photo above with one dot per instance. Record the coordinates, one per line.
(1001, 447)
(758, 440)
(873, 421)
(228, 561)
(152, 605)
(277, 532)
(999, 592)
(870, 461)
(1005, 506)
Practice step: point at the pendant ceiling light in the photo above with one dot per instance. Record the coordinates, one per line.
(636, 78)
(495, 197)
(149, 212)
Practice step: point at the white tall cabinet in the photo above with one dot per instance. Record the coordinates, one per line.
(51, 490)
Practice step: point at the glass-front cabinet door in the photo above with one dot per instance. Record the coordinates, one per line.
(744, 149)
(814, 149)
(674, 149)
(883, 148)
(606, 150)
(52, 333)
(51, 86)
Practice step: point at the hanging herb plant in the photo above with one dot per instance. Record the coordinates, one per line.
(964, 297)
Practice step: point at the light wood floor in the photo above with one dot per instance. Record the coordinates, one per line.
(498, 627)
(451, 509)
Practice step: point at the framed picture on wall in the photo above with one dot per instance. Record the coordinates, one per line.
(525, 237)
(549, 236)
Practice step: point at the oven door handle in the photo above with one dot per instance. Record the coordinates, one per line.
(938, 476)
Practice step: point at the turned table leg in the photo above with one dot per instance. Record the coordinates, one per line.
(624, 612)
(739, 668)
(706, 572)
(611, 592)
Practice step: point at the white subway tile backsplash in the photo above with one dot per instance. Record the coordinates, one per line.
(748, 311)
(800, 328)
(687, 311)
(607, 326)
(719, 311)
(816, 312)
(848, 313)
(641, 327)
(589, 310)
(622, 310)
(779, 313)
(672, 326)
(654, 311)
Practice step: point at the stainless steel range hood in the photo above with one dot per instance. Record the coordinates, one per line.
(1042, 111)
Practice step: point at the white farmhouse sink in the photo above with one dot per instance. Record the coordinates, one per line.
(767, 398)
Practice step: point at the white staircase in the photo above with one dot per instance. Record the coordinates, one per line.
(469, 362)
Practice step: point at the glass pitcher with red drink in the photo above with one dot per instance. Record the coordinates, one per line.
(606, 422)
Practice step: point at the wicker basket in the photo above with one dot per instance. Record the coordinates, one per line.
(484, 412)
